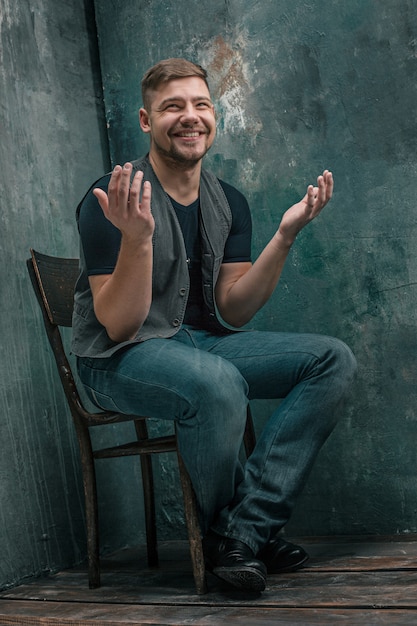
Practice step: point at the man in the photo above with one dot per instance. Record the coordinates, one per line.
(166, 282)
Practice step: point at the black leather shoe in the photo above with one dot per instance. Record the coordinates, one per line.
(281, 556)
(233, 561)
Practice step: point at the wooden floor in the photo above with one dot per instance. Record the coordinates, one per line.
(361, 581)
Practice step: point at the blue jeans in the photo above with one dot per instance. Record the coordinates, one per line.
(204, 382)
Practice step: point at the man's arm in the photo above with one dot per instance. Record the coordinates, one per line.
(242, 288)
(122, 299)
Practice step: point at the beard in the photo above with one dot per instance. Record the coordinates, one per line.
(181, 158)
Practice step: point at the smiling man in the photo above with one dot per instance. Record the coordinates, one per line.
(166, 282)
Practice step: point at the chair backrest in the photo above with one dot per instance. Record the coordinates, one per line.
(53, 279)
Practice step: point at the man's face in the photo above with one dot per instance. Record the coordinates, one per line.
(181, 121)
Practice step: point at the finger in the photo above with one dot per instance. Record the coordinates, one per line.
(321, 190)
(311, 195)
(146, 196)
(101, 196)
(329, 185)
(124, 184)
(134, 194)
(113, 188)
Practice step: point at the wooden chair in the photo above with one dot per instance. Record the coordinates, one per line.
(53, 280)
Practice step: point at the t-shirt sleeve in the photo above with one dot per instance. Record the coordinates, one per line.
(100, 240)
(238, 244)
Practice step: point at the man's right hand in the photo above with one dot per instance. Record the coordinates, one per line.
(122, 299)
(124, 207)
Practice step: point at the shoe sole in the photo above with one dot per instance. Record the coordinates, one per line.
(248, 579)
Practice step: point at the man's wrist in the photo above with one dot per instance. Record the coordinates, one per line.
(135, 247)
(283, 242)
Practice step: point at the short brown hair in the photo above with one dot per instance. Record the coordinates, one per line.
(166, 70)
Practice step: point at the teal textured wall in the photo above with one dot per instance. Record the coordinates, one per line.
(300, 87)
(51, 146)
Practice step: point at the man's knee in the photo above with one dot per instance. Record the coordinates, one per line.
(220, 384)
(340, 362)
(345, 358)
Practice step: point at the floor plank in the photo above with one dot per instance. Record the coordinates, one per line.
(347, 580)
(66, 614)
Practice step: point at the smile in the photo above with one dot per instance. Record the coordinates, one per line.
(188, 134)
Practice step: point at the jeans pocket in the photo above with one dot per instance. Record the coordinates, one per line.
(101, 400)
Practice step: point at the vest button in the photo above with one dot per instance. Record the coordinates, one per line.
(182, 291)
(176, 322)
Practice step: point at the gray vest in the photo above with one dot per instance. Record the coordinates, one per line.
(170, 281)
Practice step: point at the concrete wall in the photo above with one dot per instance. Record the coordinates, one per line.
(299, 87)
(52, 144)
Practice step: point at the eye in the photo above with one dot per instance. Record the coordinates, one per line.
(172, 106)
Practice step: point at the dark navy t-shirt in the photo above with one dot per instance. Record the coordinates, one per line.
(101, 240)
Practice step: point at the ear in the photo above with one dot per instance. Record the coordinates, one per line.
(144, 120)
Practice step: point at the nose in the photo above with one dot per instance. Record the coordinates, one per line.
(189, 114)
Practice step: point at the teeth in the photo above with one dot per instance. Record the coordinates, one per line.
(195, 134)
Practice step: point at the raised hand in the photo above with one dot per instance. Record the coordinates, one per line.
(302, 213)
(123, 206)
(123, 298)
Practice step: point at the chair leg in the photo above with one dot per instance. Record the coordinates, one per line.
(193, 527)
(91, 507)
(148, 497)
